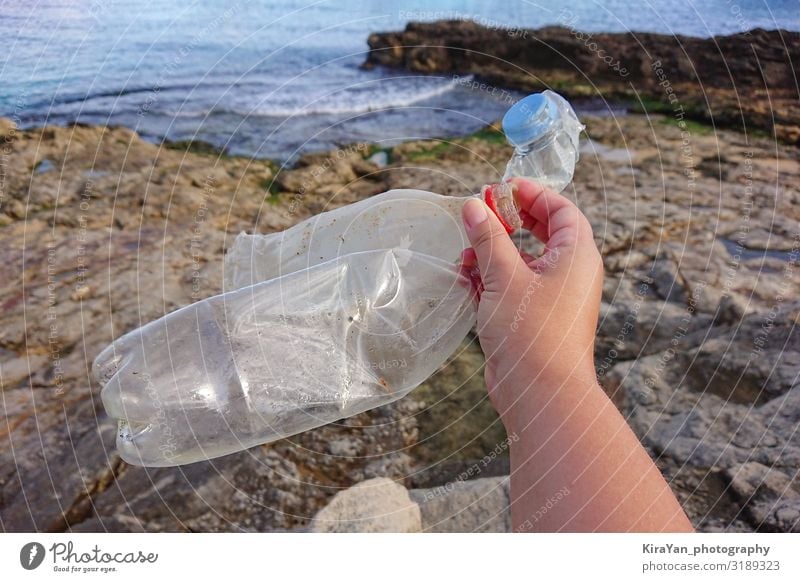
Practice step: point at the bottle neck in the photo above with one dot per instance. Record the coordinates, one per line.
(540, 142)
(500, 199)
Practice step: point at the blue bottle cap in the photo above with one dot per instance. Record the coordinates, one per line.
(527, 119)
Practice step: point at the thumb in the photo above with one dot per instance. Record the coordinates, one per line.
(497, 255)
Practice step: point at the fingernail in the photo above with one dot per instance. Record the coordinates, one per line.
(474, 213)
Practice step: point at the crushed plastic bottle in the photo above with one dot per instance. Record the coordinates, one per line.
(344, 312)
(277, 358)
(544, 131)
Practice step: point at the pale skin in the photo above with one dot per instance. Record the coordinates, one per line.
(575, 463)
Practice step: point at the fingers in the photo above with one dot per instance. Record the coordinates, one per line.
(496, 254)
(469, 260)
(551, 217)
(470, 271)
(528, 258)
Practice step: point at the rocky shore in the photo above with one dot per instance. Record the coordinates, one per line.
(746, 81)
(698, 343)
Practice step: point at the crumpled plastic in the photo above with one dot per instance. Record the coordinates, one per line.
(273, 359)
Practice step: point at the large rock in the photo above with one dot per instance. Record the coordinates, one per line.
(375, 505)
(725, 79)
(479, 505)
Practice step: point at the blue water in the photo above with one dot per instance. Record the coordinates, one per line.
(272, 78)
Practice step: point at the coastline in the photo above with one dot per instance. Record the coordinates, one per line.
(698, 342)
(745, 81)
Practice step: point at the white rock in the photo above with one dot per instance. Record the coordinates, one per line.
(375, 505)
(380, 159)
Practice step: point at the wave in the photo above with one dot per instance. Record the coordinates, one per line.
(346, 102)
(374, 95)
(74, 98)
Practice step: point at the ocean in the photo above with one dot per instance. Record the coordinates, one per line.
(276, 78)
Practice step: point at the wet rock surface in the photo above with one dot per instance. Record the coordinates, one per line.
(697, 342)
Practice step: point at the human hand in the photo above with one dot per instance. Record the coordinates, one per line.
(536, 322)
(537, 316)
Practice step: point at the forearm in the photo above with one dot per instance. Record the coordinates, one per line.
(577, 466)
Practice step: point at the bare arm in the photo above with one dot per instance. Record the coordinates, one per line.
(575, 463)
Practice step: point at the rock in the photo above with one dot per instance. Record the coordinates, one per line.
(705, 496)
(731, 308)
(364, 168)
(645, 326)
(330, 172)
(344, 447)
(480, 505)
(668, 282)
(700, 431)
(763, 363)
(7, 129)
(375, 505)
(120, 524)
(721, 78)
(15, 369)
(398, 464)
(770, 497)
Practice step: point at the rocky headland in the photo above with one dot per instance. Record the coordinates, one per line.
(746, 81)
(698, 345)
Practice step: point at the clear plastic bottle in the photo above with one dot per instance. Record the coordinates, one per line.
(274, 359)
(346, 311)
(544, 131)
